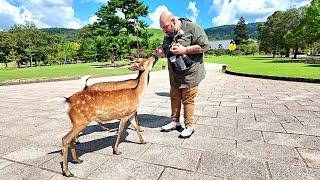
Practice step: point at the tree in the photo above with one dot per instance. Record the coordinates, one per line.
(13, 56)
(271, 33)
(5, 46)
(241, 32)
(311, 22)
(294, 36)
(111, 25)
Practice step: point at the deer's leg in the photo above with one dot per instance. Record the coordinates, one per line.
(76, 140)
(122, 125)
(68, 140)
(137, 127)
(75, 157)
(137, 122)
(103, 127)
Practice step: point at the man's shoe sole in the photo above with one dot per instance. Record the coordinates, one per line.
(185, 137)
(168, 130)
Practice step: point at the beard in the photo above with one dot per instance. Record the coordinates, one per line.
(173, 32)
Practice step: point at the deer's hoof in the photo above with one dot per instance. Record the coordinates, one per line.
(67, 174)
(77, 161)
(143, 142)
(117, 152)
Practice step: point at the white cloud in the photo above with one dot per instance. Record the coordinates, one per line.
(194, 10)
(120, 14)
(102, 1)
(154, 16)
(44, 13)
(93, 19)
(229, 11)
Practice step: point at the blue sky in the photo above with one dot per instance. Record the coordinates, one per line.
(77, 13)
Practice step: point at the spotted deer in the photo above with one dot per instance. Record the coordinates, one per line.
(87, 105)
(114, 85)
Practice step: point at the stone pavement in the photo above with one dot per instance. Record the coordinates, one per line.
(245, 128)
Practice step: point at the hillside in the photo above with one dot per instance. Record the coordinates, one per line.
(214, 33)
(70, 34)
(226, 32)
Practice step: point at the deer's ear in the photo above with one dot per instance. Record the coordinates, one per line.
(133, 67)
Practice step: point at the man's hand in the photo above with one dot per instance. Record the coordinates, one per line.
(158, 52)
(178, 49)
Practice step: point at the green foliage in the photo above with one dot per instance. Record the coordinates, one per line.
(241, 32)
(69, 34)
(251, 47)
(268, 66)
(227, 31)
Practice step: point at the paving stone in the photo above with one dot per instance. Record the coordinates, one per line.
(233, 167)
(10, 144)
(288, 172)
(61, 177)
(244, 110)
(237, 134)
(91, 161)
(300, 129)
(268, 152)
(311, 157)
(295, 113)
(119, 168)
(151, 135)
(33, 154)
(217, 122)
(277, 119)
(175, 174)
(171, 156)
(309, 121)
(222, 146)
(229, 109)
(19, 172)
(220, 108)
(5, 163)
(292, 140)
(261, 126)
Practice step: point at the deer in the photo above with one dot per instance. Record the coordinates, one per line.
(86, 106)
(113, 85)
(110, 86)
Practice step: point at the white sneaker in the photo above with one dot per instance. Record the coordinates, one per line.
(171, 126)
(187, 132)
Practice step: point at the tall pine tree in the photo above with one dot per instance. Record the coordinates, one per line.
(241, 32)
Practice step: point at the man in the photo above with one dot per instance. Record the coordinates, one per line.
(184, 45)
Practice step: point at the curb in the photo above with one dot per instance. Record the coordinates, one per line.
(18, 82)
(295, 79)
(32, 81)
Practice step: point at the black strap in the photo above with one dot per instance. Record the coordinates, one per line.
(185, 19)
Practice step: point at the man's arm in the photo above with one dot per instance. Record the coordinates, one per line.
(193, 49)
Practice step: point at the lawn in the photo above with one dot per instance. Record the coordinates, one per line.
(65, 71)
(268, 66)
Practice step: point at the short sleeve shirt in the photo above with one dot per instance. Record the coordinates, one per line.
(193, 35)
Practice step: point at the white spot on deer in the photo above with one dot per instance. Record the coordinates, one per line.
(78, 102)
(83, 102)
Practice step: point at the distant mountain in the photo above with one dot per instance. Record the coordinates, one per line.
(214, 33)
(70, 34)
(227, 32)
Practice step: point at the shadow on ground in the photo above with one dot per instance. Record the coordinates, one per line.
(165, 94)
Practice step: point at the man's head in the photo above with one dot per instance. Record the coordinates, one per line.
(169, 23)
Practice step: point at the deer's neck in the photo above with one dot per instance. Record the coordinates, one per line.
(143, 82)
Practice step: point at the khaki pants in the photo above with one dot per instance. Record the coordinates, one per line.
(185, 96)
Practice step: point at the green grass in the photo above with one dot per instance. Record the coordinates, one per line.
(65, 71)
(268, 66)
(157, 34)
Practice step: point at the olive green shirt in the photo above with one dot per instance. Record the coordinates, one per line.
(193, 75)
